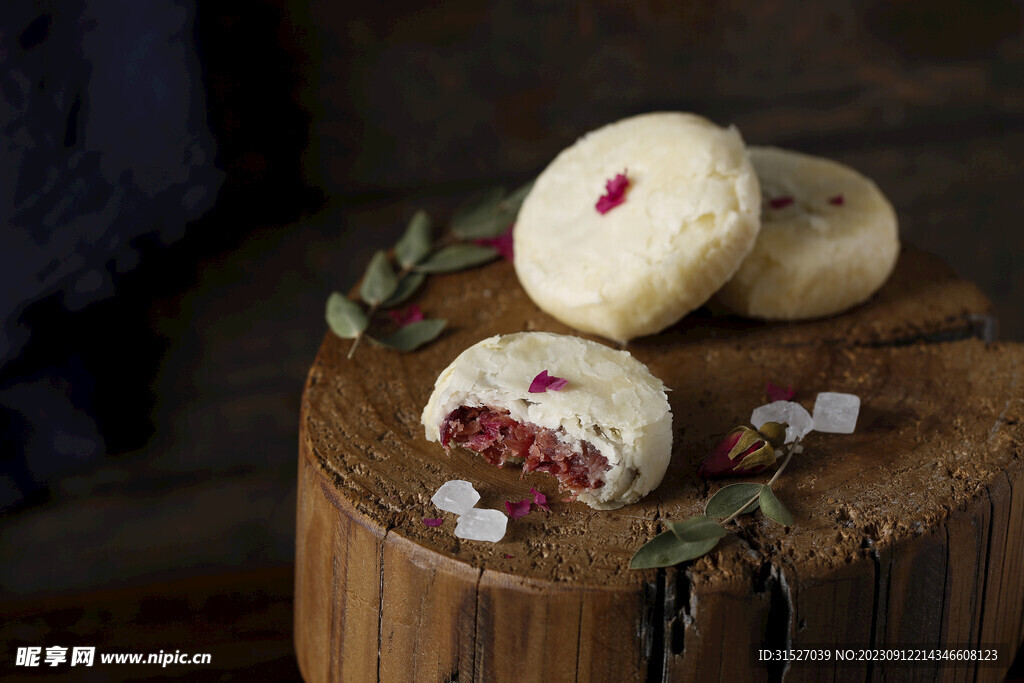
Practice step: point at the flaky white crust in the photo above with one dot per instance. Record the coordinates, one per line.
(690, 216)
(813, 258)
(611, 400)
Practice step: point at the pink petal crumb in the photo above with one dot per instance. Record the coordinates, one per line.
(544, 382)
(540, 500)
(502, 243)
(517, 510)
(406, 316)
(777, 393)
(780, 202)
(508, 556)
(838, 200)
(615, 193)
(428, 521)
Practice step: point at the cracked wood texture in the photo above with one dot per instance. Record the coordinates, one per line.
(907, 531)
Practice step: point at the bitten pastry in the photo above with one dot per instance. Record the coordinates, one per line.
(829, 240)
(593, 417)
(637, 223)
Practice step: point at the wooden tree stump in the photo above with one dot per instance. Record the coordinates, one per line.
(907, 531)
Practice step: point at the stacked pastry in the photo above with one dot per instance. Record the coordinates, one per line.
(780, 235)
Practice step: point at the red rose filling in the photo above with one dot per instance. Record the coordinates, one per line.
(494, 434)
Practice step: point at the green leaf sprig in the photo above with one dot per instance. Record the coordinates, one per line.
(689, 539)
(391, 279)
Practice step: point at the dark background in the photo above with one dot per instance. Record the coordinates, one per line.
(181, 188)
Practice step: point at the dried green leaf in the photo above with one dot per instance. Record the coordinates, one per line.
(667, 549)
(457, 257)
(407, 286)
(514, 201)
(414, 335)
(415, 243)
(344, 316)
(699, 528)
(773, 508)
(482, 216)
(729, 499)
(379, 281)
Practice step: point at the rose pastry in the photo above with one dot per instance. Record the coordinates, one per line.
(829, 240)
(593, 417)
(637, 223)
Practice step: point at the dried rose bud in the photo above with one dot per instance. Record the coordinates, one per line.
(774, 432)
(744, 451)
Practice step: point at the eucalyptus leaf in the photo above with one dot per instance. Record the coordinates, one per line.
(482, 216)
(407, 286)
(379, 281)
(729, 499)
(772, 507)
(415, 243)
(511, 203)
(344, 316)
(457, 257)
(667, 549)
(699, 528)
(414, 335)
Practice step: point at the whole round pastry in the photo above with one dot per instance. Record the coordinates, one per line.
(606, 434)
(688, 216)
(828, 241)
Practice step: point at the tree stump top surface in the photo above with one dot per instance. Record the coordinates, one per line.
(938, 423)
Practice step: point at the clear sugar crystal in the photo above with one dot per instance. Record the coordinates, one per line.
(482, 525)
(836, 413)
(455, 496)
(796, 417)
